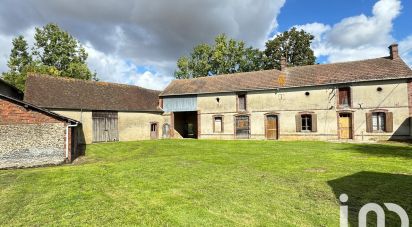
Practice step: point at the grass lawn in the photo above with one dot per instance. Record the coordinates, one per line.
(199, 182)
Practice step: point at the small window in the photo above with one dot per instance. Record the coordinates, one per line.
(218, 124)
(241, 102)
(306, 122)
(378, 121)
(344, 97)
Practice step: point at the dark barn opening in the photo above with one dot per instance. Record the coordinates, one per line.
(185, 123)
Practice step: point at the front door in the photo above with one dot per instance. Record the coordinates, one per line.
(153, 131)
(272, 127)
(345, 126)
(242, 127)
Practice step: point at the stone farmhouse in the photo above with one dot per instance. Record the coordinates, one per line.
(366, 100)
(359, 100)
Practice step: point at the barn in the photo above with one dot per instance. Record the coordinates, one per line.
(108, 111)
(32, 136)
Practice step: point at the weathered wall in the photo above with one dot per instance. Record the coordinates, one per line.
(136, 125)
(131, 125)
(29, 138)
(26, 145)
(85, 133)
(322, 101)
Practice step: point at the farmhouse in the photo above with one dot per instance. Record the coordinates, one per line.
(107, 111)
(361, 100)
(31, 136)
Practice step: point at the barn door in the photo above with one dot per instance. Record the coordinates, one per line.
(105, 126)
(242, 127)
(272, 127)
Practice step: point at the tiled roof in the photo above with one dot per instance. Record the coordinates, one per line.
(301, 76)
(64, 93)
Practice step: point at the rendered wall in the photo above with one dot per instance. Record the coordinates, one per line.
(321, 101)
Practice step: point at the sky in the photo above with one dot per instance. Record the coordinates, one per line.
(139, 41)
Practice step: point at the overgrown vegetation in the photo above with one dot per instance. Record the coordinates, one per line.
(198, 182)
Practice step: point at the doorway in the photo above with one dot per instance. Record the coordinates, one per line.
(242, 127)
(153, 131)
(186, 124)
(345, 126)
(272, 127)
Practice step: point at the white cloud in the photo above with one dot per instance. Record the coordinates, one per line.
(116, 69)
(357, 37)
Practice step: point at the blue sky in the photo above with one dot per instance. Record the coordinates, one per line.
(139, 41)
(331, 12)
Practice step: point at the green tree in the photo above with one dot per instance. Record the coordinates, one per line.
(294, 45)
(18, 62)
(55, 53)
(57, 48)
(225, 56)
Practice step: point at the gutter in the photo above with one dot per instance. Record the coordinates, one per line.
(67, 137)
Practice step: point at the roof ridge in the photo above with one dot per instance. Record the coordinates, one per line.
(89, 81)
(226, 74)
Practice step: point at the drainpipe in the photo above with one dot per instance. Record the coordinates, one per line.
(67, 137)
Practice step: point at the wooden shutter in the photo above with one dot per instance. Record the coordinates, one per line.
(298, 123)
(314, 122)
(368, 122)
(389, 122)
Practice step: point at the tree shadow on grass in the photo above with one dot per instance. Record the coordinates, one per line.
(380, 150)
(374, 187)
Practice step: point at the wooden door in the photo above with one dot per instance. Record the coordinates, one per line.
(272, 127)
(345, 126)
(153, 131)
(242, 127)
(105, 126)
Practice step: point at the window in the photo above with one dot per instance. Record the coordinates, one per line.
(218, 124)
(306, 122)
(344, 97)
(378, 121)
(241, 99)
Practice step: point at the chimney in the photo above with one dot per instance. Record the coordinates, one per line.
(393, 51)
(283, 63)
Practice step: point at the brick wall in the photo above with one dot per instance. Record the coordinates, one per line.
(11, 113)
(29, 137)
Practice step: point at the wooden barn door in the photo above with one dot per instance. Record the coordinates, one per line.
(242, 127)
(105, 126)
(272, 127)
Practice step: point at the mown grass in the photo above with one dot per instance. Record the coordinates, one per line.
(198, 182)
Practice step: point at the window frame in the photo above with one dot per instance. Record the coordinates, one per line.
(380, 115)
(308, 122)
(238, 109)
(214, 117)
(349, 94)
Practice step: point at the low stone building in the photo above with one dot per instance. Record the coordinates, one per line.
(31, 136)
(107, 111)
(361, 100)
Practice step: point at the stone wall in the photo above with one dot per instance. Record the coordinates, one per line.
(27, 145)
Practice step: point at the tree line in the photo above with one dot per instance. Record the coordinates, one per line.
(228, 56)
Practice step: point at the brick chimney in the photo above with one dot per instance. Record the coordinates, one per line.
(283, 64)
(393, 51)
